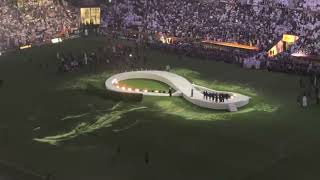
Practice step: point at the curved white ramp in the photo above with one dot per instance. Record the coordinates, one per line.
(182, 87)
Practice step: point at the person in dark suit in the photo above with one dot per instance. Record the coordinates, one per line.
(191, 92)
(317, 91)
(170, 92)
(220, 97)
(213, 96)
(146, 158)
(228, 96)
(301, 83)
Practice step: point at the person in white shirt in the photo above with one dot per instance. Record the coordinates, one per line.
(304, 101)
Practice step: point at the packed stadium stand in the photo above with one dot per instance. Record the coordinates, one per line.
(35, 21)
(260, 25)
(256, 23)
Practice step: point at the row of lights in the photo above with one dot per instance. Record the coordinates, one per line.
(116, 83)
(134, 90)
(129, 89)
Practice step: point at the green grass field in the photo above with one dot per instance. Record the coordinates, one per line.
(49, 124)
(145, 84)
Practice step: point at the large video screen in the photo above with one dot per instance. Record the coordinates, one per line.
(90, 15)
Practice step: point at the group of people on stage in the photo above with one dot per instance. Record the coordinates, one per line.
(216, 97)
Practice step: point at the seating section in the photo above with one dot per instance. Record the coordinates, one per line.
(261, 25)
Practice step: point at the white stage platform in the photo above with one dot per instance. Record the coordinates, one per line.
(182, 87)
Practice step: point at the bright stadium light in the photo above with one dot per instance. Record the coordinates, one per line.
(115, 81)
(56, 40)
(25, 47)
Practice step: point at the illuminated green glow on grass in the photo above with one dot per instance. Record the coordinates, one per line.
(179, 107)
(102, 121)
(75, 116)
(196, 78)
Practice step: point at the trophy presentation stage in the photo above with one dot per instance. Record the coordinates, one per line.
(181, 86)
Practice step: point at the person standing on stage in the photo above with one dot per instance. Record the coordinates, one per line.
(192, 92)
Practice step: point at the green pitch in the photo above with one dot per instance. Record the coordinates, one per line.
(145, 84)
(49, 123)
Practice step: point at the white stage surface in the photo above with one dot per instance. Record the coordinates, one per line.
(182, 87)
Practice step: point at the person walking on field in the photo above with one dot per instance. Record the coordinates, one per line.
(304, 101)
(146, 158)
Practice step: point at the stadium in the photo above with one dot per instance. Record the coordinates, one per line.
(138, 89)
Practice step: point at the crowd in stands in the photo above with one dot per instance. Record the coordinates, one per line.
(243, 59)
(313, 5)
(256, 25)
(32, 22)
